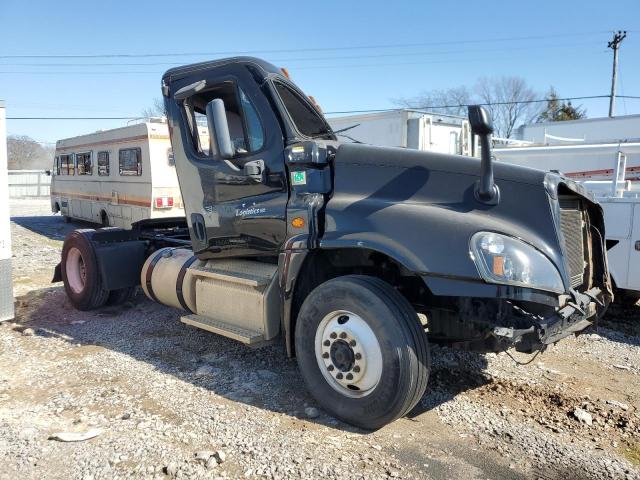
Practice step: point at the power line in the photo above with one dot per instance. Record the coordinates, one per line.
(291, 68)
(306, 59)
(423, 107)
(316, 49)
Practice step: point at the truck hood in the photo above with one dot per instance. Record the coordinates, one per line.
(368, 155)
(420, 208)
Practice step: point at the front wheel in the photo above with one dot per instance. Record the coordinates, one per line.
(362, 350)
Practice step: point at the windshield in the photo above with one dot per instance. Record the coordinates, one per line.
(305, 117)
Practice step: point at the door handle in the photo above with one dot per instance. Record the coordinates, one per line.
(255, 170)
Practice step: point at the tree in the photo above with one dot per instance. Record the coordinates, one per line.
(557, 111)
(24, 153)
(156, 110)
(453, 99)
(508, 100)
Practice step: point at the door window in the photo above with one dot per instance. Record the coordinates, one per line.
(245, 128)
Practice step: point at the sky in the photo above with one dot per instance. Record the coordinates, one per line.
(349, 55)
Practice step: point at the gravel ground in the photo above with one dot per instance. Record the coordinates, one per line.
(163, 400)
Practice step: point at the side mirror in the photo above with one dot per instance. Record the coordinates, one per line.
(480, 121)
(219, 129)
(486, 191)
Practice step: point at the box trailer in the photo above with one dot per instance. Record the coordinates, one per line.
(406, 128)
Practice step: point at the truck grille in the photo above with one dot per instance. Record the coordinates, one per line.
(572, 227)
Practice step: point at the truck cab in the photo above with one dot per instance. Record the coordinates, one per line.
(355, 256)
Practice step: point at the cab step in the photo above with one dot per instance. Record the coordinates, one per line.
(235, 332)
(243, 272)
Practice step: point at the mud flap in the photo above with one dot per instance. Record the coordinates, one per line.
(57, 274)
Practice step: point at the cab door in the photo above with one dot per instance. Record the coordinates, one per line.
(234, 206)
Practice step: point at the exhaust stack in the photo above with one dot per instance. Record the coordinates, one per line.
(486, 191)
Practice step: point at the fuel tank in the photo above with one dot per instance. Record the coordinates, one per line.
(166, 277)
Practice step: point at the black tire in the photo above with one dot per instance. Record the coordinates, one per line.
(89, 293)
(399, 333)
(122, 295)
(104, 219)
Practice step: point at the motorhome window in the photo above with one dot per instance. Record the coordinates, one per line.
(130, 161)
(56, 165)
(103, 164)
(245, 128)
(66, 164)
(305, 117)
(83, 161)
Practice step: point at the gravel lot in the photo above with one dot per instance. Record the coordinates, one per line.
(165, 400)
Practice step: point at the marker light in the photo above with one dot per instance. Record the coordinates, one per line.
(164, 202)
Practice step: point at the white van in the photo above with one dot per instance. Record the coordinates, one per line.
(116, 177)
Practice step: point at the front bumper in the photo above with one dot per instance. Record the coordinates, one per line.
(574, 317)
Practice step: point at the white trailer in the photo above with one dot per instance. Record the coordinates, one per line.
(6, 283)
(408, 129)
(612, 172)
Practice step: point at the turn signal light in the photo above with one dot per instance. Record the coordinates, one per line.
(297, 222)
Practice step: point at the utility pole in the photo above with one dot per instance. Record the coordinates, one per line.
(615, 45)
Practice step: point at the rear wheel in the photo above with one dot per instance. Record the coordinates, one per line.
(80, 272)
(361, 350)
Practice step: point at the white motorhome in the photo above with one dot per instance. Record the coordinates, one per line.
(116, 177)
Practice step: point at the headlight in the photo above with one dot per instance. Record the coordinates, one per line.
(506, 260)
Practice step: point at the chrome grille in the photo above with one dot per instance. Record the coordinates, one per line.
(572, 226)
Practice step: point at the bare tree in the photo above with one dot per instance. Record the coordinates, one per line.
(24, 153)
(509, 101)
(451, 101)
(155, 110)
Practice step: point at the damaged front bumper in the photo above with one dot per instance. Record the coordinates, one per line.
(576, 315)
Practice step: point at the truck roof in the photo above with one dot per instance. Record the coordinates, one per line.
(179, 72)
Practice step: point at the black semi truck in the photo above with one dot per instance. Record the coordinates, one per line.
(355, 256)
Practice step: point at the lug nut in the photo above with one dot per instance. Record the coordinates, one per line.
(349, 376)
(343, 335)
(325, 355)
(356, 369)
(339, 376)
(333, 335)
(358, 356)
(326, 343)
(330, 368)
(352, 343)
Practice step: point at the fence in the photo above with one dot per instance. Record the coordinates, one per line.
(28, 183)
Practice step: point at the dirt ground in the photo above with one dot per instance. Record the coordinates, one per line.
(166, 400)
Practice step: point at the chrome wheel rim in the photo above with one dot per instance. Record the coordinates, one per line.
(76, 271)
(348, 354)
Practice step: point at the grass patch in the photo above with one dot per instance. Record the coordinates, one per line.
(632, 453)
